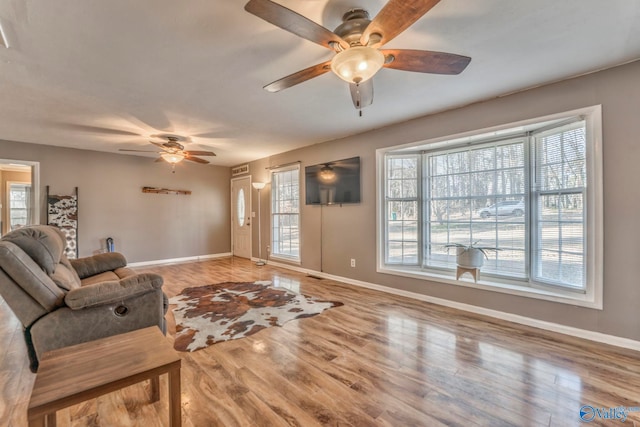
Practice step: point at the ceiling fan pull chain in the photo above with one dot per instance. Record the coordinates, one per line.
(358, 99)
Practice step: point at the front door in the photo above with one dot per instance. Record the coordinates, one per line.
(241, 216)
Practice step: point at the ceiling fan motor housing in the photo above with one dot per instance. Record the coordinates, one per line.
(355, 22)
(173, 143)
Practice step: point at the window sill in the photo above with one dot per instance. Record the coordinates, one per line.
(282, 258)
(588, 299)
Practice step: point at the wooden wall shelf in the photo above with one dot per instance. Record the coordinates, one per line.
(164, 191)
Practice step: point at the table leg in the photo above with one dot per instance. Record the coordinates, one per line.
(175, 415)
(51, 420)
(37, 422)
(155, 388)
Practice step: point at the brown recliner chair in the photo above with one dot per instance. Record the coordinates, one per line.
(62, 303)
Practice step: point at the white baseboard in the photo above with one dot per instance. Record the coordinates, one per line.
(510, 317)
(288, 266)
(184, 259)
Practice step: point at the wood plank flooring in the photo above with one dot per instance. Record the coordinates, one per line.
(380, 360)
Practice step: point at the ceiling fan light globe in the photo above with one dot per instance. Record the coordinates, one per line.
(327, 175)
(357, 64)
(172, 158)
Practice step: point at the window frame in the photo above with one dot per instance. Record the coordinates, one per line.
(480, 145)
(28, 201)
(274, 255)
(537, 194)
(416, 199)
(591, 296)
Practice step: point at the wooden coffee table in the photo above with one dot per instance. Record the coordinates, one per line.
(71, 375)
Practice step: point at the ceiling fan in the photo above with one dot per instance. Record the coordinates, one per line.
(173, 152)
(356, 43)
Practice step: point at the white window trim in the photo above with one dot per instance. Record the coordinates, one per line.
(593, 295)
(278, 257)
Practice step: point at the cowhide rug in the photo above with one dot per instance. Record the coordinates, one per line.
(209, 314)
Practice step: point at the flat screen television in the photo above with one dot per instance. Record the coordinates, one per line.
(333, 183)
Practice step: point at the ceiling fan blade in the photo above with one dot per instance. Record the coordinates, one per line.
(199, 153)
(362, 94)
(395, 17)
(425, 61)
(98, 129)
(299, 77)
(293, 22)
(159, 145)
(138, 151)
(196, 159)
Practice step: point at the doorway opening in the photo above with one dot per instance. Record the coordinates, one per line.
(19, 194)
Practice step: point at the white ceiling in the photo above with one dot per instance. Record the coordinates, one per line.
(104, 75)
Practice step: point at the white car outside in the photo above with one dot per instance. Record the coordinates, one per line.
(509, 207)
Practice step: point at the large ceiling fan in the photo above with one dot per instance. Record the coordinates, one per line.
(356, 43)
(173, 152)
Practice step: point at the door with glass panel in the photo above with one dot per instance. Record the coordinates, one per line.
(241, 216)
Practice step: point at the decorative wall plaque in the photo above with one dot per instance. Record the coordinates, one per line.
(157, 190)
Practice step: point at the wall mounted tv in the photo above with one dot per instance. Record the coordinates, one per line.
(333, 183)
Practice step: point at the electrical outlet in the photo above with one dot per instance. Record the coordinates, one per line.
(353, 262)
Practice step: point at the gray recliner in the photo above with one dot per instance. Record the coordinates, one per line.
(61, 302)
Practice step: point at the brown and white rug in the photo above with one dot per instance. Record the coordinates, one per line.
(209, 314)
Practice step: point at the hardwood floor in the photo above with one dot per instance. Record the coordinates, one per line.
(380, 360)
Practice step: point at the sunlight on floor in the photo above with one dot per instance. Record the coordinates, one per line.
(283, 282)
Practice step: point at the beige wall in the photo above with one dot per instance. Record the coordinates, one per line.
(349, 232)
(145, 227)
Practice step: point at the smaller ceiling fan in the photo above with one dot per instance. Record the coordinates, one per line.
(356, 44)
(173, 152)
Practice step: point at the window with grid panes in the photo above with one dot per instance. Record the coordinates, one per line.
(524, 192)
(462, 182)
(285, 213)
(402, 209)
(559, 206)
(19, 196)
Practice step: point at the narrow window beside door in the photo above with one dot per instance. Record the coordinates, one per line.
(285, 213)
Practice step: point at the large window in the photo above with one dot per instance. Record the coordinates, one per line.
(285, 213)
(476, 196)
(531, 191)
